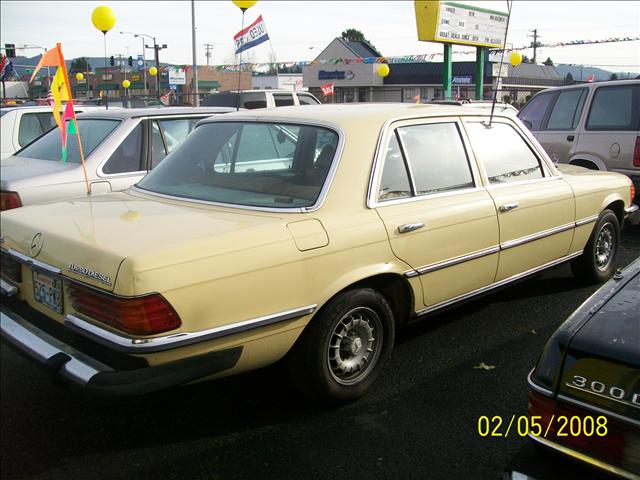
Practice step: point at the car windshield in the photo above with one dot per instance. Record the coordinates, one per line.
(272, 165)
(49, 146)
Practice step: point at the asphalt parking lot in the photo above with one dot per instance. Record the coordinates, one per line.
(419, 421)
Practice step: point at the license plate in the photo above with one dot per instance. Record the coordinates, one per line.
(47, 290)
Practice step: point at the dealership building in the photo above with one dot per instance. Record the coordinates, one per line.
(355, 80)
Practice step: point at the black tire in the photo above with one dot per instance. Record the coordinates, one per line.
(331, 368)
(597, 262)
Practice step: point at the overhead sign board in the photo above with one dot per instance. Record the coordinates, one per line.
(452, 22)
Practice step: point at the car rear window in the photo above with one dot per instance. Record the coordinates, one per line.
(49, 146)
(534, 111)
(255, 164)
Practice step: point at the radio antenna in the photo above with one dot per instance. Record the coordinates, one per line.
(495, 91)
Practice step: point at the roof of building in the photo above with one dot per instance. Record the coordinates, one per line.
(532, 70)
(361, 49)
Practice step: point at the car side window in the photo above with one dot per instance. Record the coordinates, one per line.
(283, 99)
(306, 99)
(175, 131)
(566, 111)
(436, 157)
(394, 182)
(158, 151)
(128, 156)
(503, 152)
(534, 111)
(615, 108)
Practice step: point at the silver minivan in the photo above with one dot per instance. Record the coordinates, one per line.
(593, 125)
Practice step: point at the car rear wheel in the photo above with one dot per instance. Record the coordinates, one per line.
(344, 348)
(597, 262)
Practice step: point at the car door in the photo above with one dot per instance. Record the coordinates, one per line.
(440, 220)
(612, 126)
(559, 134)
(536, 209)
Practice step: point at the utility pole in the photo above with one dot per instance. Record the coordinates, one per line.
(535, 43)
(208, 49)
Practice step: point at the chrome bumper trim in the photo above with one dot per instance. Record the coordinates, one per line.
(33, 262)
(631, 209)
(154, 344)
(8, 289)
(501, 283)
(584, 458)
(43, 348)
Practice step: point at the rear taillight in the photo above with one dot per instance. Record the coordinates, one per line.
(9, 200)
(146, 315)
(578, 429)
(636, 153)
(633, 191)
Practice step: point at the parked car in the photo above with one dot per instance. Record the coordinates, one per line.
(251, 99)
(120, 147)
(305, 233)
(132, 102)
(589, 374)
(483, 104)
(20, 125)
(592, 125)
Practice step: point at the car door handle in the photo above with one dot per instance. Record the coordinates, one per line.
(410, 227)
(570, 138)
(507, 207)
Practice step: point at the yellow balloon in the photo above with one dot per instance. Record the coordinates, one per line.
(515, 59)
(383, 70)
(153, 71)
(103, 18)
(126, 83)
(243, 5)
(79, 76)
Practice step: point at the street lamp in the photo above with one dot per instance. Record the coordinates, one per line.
(25, 47)
(156, 49)
(144, 58)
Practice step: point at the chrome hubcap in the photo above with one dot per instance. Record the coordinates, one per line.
(355, 346)
(605, 247)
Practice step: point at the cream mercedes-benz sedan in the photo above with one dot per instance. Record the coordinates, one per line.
(308, 234)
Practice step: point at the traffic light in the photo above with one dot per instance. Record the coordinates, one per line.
(10, 50)
(112, 61)
(130, 61)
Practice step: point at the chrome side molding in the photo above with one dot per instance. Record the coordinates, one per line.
(129, 344)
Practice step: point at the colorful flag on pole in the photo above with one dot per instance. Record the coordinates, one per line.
(253, 35)
(327, 90)
(61, 90)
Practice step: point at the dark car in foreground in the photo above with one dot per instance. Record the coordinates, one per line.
(585, 389)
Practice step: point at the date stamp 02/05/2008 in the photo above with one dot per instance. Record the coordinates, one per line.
(558, 426)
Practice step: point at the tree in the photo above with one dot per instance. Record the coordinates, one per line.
(568, 80)
(79, 65)
(526, 59)
(548, 62)
(355, 35)
(614, 76)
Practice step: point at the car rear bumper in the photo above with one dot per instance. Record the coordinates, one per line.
(632, 214)
(76, 368)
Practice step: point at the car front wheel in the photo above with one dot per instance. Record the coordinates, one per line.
(597, 262)
(344, 348)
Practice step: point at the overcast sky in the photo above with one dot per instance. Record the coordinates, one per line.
(300, 29)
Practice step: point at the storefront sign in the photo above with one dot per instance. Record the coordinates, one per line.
(335, 75)
(451, 22)
(177, 76)
(461, 80)
(107, 76)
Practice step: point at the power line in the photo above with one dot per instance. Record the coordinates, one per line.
(208, 49)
